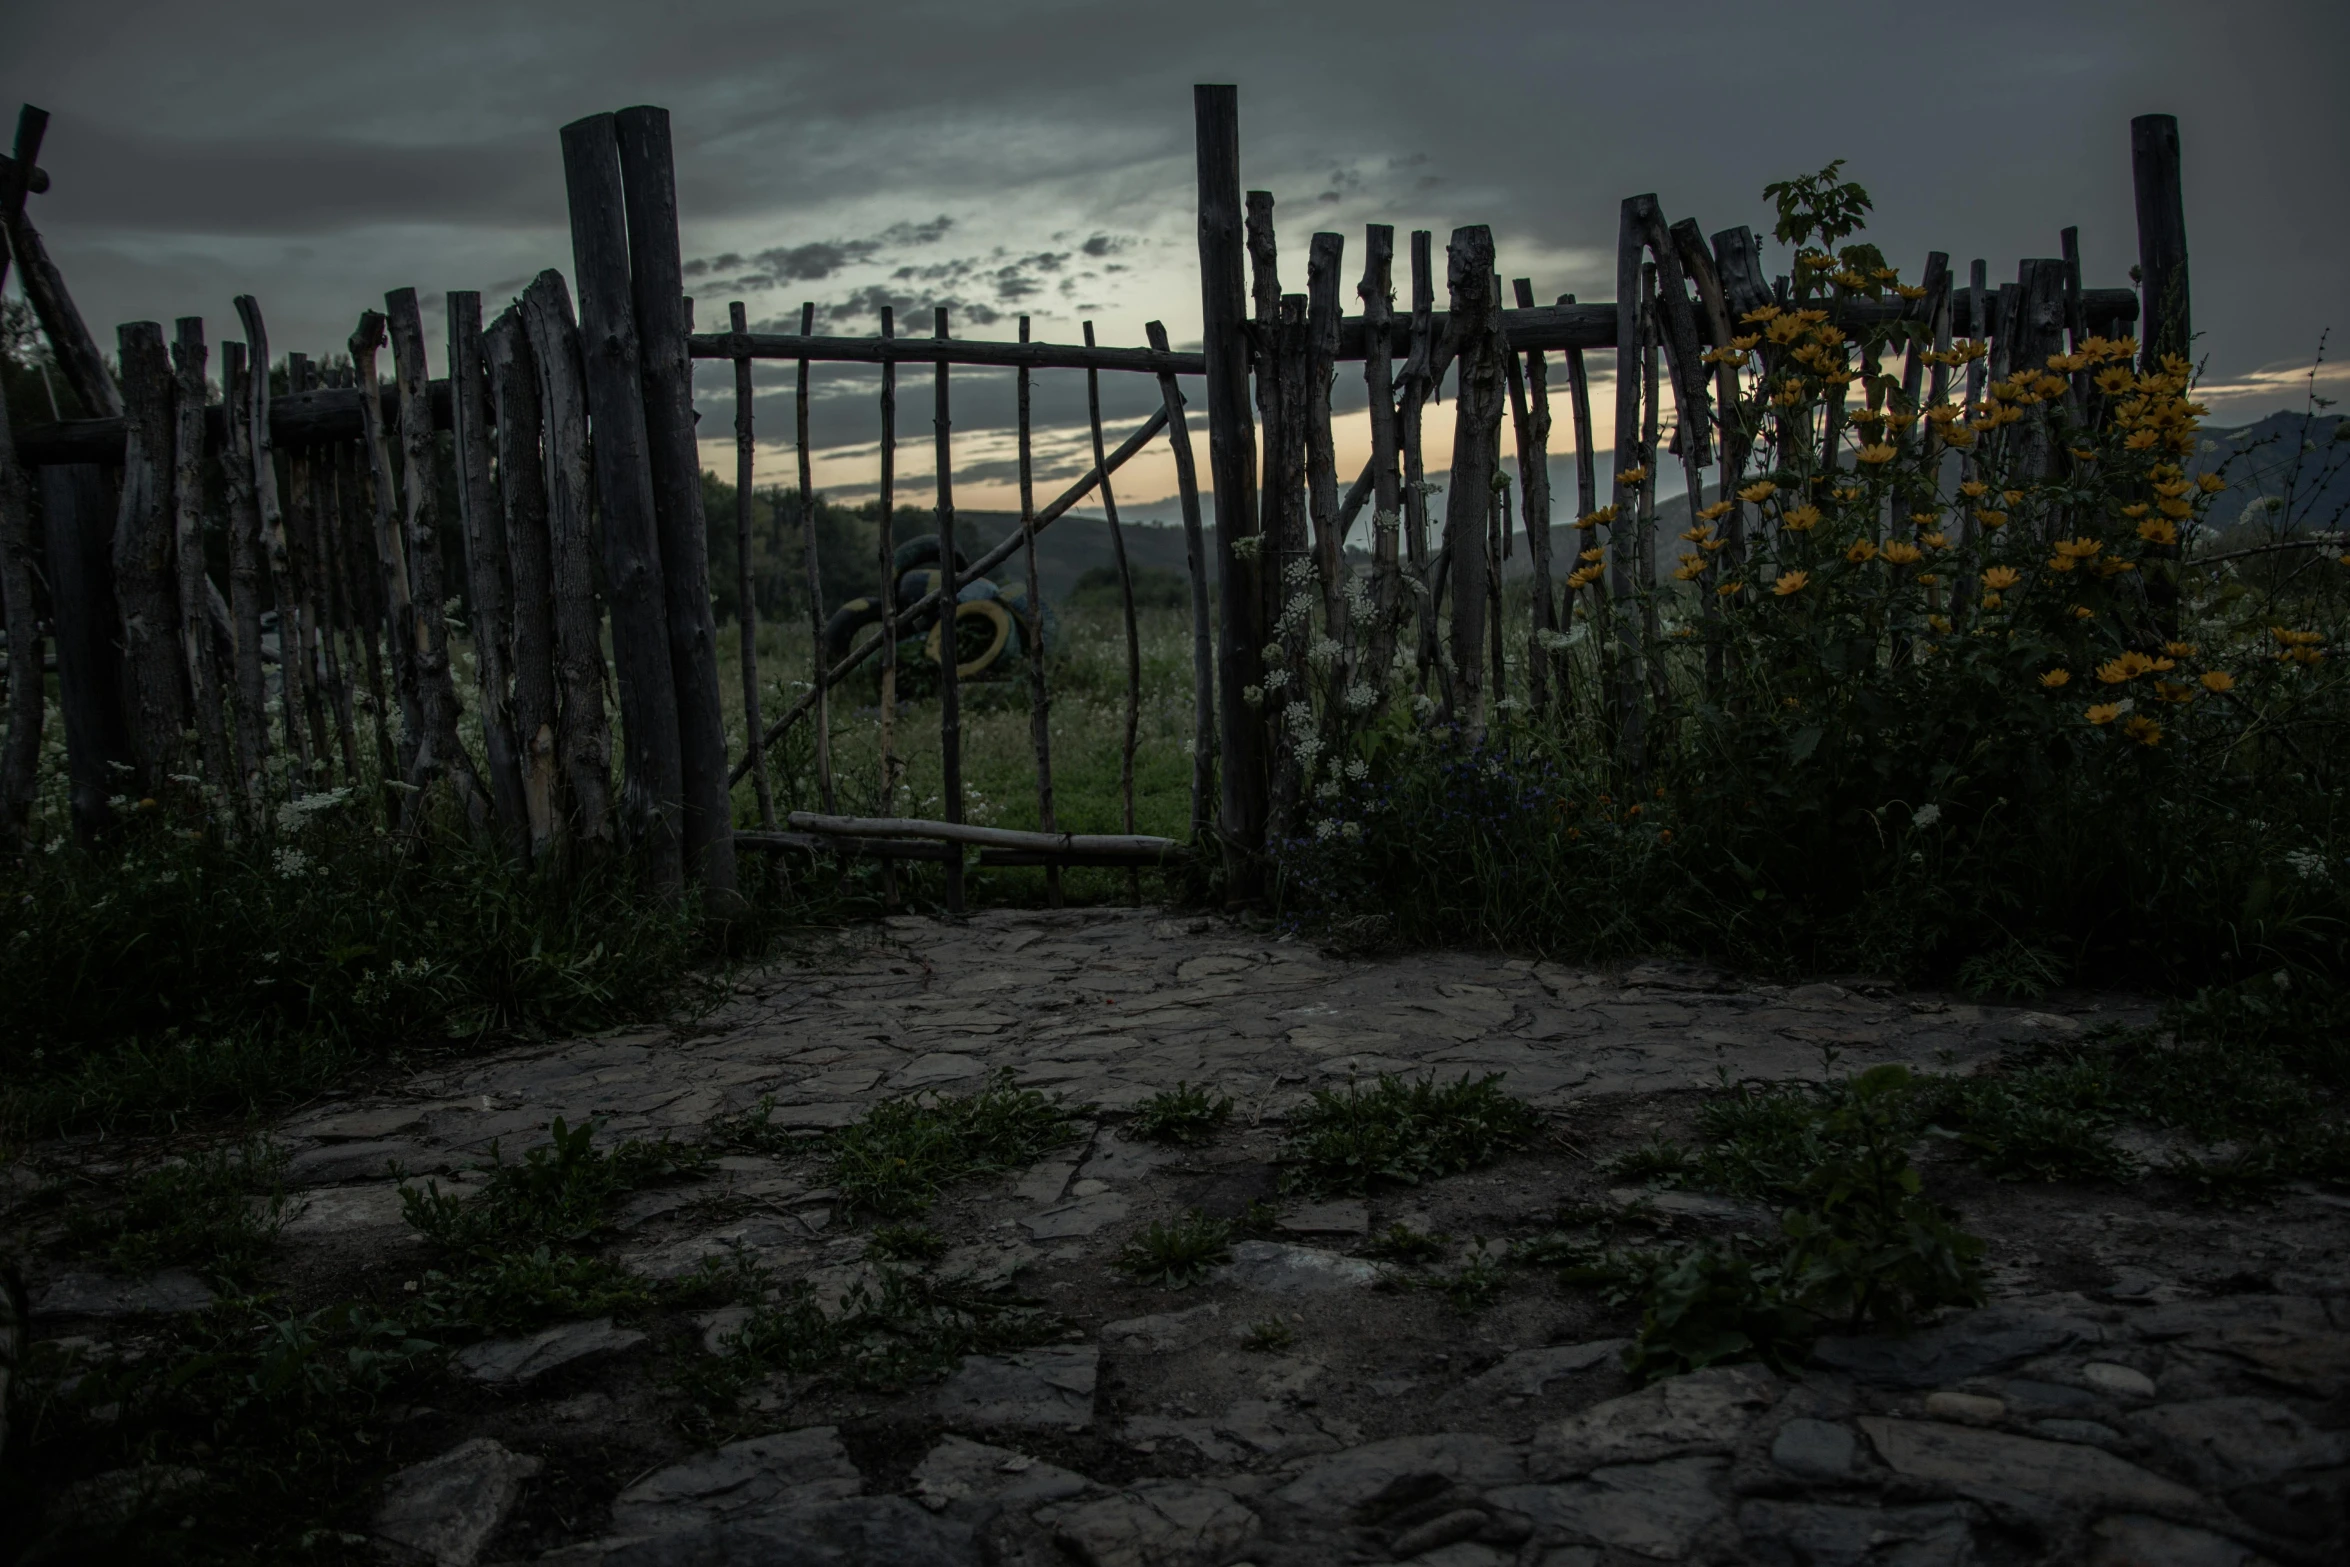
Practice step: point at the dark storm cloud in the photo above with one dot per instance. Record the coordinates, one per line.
(186, 135)
(817, 259)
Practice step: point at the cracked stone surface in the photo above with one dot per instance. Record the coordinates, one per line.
(2150, 1381)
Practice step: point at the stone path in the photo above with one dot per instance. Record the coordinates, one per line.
(2148, 1385)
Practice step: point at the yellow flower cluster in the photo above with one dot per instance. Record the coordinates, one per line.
(2130, 665)
(2157, 413)
(1716, 512)
(1584, 576)
(1592, 519)
(1899, 554)
(2298, 647)
(1791, 582)
(2072, 552)
(1800, 519)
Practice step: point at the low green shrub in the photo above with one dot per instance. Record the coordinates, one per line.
(893, 1161)
(1347, 1140)
(1177, 1255)
(217, 1211)
(1182, 1114)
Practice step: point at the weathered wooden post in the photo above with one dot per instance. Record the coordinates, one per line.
(1203, 661)
(950, 695)
(27, 705)
(293, 670)
(813, 571)
(1093, 409)
(1324, 255)
(77, 506)
(1040, 712)
(2165, 323)
(1232, 468)
(1377, 291)
(391, 554)
(652, 786)
(1530, 428)
(1624, 496)
(583, 734)
(746, 610)
(244, 579)
(485, 560)
(649, 179)
(145, 590)
(1475, 329)
(522, 489)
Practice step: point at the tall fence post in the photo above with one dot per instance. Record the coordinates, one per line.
(2165, 324)
(652, 786)
(77, 506)
(649, 181)
(1232, 463)
(145, 587)
(484, 530)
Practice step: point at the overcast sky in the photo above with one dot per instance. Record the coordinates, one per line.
(1021, 156)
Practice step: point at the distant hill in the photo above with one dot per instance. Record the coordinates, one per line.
(2291, 462)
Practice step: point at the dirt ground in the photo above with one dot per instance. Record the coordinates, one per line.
(2151, 1380)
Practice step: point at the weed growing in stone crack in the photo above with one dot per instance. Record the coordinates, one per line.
(905, 1243)
(1860, 1245)
(754, 1131)
(1182, 1114)
(216, 1211)
(1478, 1284)
(1268, 1336)
(894, 1160)
(513, 1292)
(2017, 971)
(882, 1335)
(1399, 1242)
(1406, 1133)
(1260, 1218)
(1177, 1255)
(563, 1190)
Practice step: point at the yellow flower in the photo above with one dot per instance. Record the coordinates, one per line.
(1992, 519)
(1848, 496)
(2056, 679)
(1876, 456)
(2083, 548)
(1939, 623)
(1936, 540)
(2104, 713)
(1691, 568)
(1801, 519)
(1745, 341)
(1585, 577)
(1728, 588)
(2061, 563)
(2127, 667)
(1992, 601)
(2158, 530)
(1592, 519)
(2083, 612)
(1973, 488)
(2171, 692)
(1791, 582)
(1589, 555)
(1811, 317)
(2211, 484)
(2179, 649)
(1761, 491)
(2218, 680)
(1634, 475)
(1909, 291)
(2115, 381)
(1862, 550)
(1903, 554)
(1927, 579)
(2144, 730)
(2176, 509)
(1698, 534)
(1716, 512)
(1766, 313)
(1999, 578)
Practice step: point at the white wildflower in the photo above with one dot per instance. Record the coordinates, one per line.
(1324, 651)
(1423, 705)
(1358, 769)
(1359, 697)
(1275, 679)
(1386, 521)
(1510, 704)
(1254, 696)
(291, 862)
(1297, 571)
(1325, 830)
(1925, 815)
(1297, 715)
(2307, 864)
(1350, 831)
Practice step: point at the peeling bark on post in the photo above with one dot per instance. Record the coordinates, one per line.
(146, 593)
(2166, 322)
(1530, 428)
(485, 562)
(814, 577)
(189, 357)
(657, 273)
(439, 753)
(746, 613)
(293, 669)
(950, 695)
(1093, 408)
(1476, 428)
(1232, 467)
(1377, 291)
(1323, 259)
(1040, 729)
(244, 581)
(522, 489)
(1203, 663)
(1418, 383)
(391, 553)
(583, 734)
(652, 780)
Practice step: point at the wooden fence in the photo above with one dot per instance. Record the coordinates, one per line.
(572, 458)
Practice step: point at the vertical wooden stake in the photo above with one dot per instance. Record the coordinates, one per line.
(484, 529)
(189, 356)
(1623, 532)
(889, 595)
(145, 588)
(1203, 664)
(1093, 409)
(391, 552)
(27, 701)
(1232, 466)
(1469, 498)
(1531, 409)
(1419, 382)
(950, 587)
(656, 272)
(2165, 322)
(1323, 259)
(244, 578)
(819, 663)
(583, 734)
(522, 487)
(1040, 729)
(292, 641)
(746, 583)
(653, 780)
(78, 508)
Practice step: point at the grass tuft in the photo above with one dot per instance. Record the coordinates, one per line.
(1182, 1114)
(895, 1159)
(1405, 1133)
(1177, 1255)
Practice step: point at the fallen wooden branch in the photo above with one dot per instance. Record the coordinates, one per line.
(872, 848)
(985, 837)
(1104, 858)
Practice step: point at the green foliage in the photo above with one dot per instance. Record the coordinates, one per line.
(1177, 1255)
(562, 1190)
(1477, 1283)
(165, 975)
(1346, 1140)
(905, 1243)
(1399, 1242)
(2017, 971)
(1817, 207)
(1182, 1114)
(217, 1211)
(1155, 587)
(1269, 1336)
(894, 1160)
(517, 1291)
